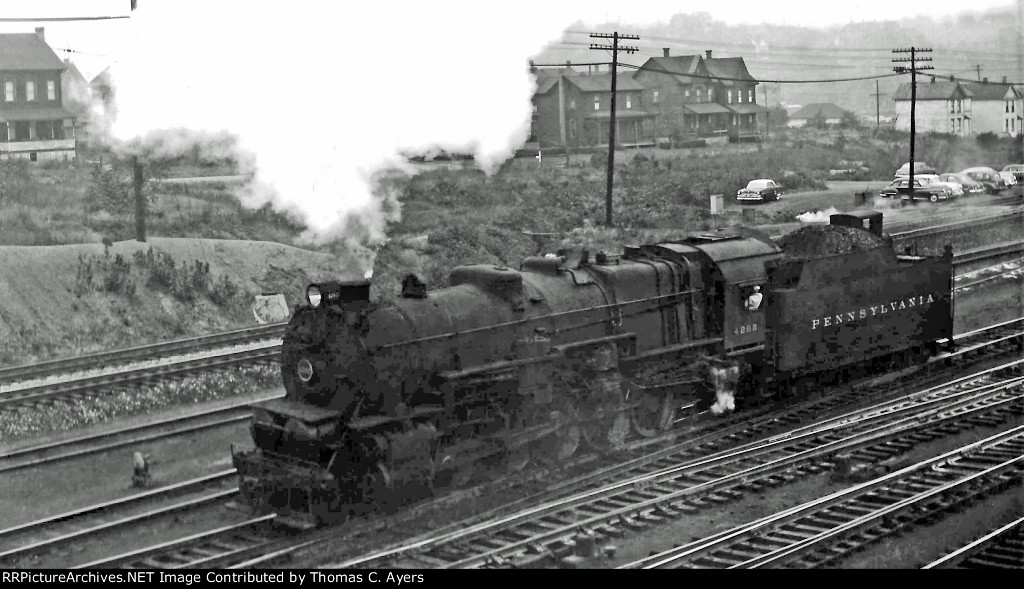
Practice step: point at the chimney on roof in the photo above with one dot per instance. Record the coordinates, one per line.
(41, 33)
(951, 79)
(1004, 79)
(933, 79)
(708, 52)
(665, 51)
(984, 80)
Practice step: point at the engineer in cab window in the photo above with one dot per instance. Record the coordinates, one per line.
(754, 300)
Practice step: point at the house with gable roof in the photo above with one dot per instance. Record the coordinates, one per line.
(988, 104)
(817, 114)
(941, 107)
(702, 97)
(573, 109)
(33, 121)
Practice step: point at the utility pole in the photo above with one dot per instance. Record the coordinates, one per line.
(913, 59)
(878, 112)
(611, 132)
(978, 67)
(140, 202)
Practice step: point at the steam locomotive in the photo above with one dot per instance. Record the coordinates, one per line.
(510, 366)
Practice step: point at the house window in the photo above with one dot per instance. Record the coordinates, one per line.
(8, 91)
(735, 120)
(51, 90)
(687, 93)
(959, 105)
(32, 134)
(952, 125)
(629, 101)
(750, 119)
(572, 104)
(750, 95)
(952, 107)
(728, 97)
(30, 90)
(959, 124)
(1007, 105)
(572, 129)
(739, 96)
(597, 103)
(654, 97)
(711, 94)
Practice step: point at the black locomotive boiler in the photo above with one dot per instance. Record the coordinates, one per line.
(512, 365)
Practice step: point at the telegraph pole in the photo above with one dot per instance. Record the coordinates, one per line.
(611, 132)
(878, 112)
(978, 67)
(913, 59)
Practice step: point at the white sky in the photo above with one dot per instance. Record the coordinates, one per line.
(326, 92)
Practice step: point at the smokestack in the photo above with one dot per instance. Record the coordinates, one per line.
(665, 51)
(41, 33)
(708, 52)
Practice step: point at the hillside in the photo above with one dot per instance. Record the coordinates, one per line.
(49, 310)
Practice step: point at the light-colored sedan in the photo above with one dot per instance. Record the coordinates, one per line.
(968, 184)
(760, 190)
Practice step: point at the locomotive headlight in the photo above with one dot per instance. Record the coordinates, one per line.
(304, 370)
(313, 295)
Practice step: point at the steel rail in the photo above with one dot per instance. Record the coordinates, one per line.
(978, 545)
(705, 545)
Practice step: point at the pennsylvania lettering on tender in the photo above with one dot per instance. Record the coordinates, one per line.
(864, 313)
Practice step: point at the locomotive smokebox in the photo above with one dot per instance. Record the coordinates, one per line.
(351, 295)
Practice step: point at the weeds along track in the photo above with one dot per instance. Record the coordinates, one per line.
(26, 544)
(1002, 548)
(108, 439)
(820, 531)
(85, 385)
(113, 358)
(537, 535)
(646, 466)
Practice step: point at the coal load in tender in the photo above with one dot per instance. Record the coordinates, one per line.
(827, 240)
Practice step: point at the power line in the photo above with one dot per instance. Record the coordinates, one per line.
(62, 18)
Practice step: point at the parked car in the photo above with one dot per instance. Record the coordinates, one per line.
(925, 188)
(990, 178)
(968, 184)
(919, 168)
(1014, 172)
(760, 190)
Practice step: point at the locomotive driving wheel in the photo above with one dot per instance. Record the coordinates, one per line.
(603, 422)
(564, 441)
(651, 414)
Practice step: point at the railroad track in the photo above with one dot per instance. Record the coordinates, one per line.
(1002, 548)
(108, 439)
(24, 393)
(541, 533)
(820, 531)
(23, 544)
(67, 365)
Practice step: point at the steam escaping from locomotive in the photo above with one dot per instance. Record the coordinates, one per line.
(360, 111)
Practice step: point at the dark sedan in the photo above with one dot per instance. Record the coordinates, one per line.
(760, 190)
(990, 178)
(970, 185)
(899, 188)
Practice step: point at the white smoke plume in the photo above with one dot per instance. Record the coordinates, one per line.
(327, 94)
(817, 216)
